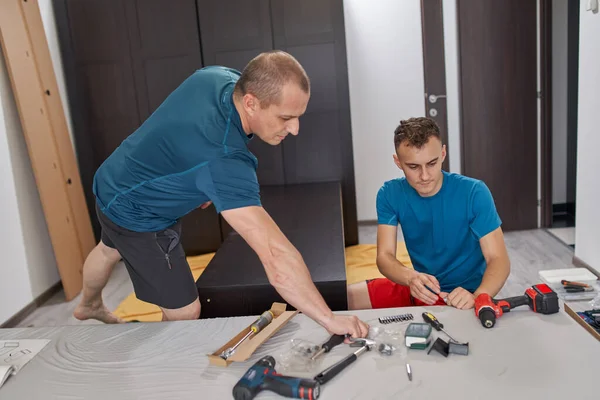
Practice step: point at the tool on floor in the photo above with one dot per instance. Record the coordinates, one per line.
(258, 325)
(329, 373)
(396, 318)
(326, 347)
(409, 372)
(262, 376)
(436, 324)
(540, 298)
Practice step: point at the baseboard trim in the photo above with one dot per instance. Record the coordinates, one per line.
(578, 262)
(31, 307)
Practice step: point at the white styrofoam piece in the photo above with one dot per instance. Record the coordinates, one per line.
(570, 274)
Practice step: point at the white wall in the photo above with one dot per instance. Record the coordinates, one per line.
(559, 101)
(385, 71)
(28, 266)
(587, 221)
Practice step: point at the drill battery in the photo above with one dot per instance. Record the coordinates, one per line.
(542, 299)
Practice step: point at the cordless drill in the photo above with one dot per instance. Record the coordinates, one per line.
(540, 298)
(262, 376)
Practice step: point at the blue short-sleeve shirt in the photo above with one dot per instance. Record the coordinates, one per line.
(192, 149)
(442, 232)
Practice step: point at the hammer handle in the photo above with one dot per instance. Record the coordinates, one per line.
(328, 374)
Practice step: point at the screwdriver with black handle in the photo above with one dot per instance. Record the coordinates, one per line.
(326, 347)
(436, 324)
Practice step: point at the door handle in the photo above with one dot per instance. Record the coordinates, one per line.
(434, 97)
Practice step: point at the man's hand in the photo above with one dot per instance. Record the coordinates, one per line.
(347, 324)
(205, 205)
(459, 298)
(418, 290)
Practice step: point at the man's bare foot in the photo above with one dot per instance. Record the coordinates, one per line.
(100, 313)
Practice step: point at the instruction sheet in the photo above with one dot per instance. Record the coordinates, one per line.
(14, 354)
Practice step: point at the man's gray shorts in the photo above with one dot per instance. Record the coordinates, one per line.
(155, 261)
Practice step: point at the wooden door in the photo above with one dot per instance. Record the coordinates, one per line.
(434, 68)
(233, 33)
(313, 32)
(497, 50)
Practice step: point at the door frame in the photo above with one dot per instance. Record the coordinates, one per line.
(545, 95)
(434, 78)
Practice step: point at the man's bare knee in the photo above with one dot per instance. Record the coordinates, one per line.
(358, 296)
(189, 312)
(109, 253)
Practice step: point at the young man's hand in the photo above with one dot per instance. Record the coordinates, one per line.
(418, 290)
(347, 324)
(459, 298)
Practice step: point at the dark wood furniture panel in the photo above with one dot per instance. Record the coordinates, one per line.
(235, 283)
(165, 48)
(127, 57)
(233, 39)
(313, 32)
(123, 58)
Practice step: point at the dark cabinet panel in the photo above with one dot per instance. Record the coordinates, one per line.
(165, 48)
(235, 31)
(313, 32)
(233, 39)
(122, 58)
(201, 232)
(129, 56)
(104, 74)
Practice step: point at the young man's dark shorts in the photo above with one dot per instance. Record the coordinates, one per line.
(155, 261)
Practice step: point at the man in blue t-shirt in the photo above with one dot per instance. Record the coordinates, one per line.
(191, 152)
(450, 226)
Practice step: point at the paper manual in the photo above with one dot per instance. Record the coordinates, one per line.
(14, 354)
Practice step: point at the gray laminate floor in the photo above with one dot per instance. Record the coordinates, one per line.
(529, 251)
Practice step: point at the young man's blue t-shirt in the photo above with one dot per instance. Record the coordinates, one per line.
(442, 232)
(192, 149)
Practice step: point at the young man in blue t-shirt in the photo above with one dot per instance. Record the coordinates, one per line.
(450, 226)
(191, 152)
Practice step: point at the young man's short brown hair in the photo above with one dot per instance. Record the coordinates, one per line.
(416, 132)
(265, 75)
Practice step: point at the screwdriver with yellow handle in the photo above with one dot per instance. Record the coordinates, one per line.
(258, 325)
(436, 324)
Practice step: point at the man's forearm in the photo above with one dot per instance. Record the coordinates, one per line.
(494, 277)
(289, 275)
(394, 270)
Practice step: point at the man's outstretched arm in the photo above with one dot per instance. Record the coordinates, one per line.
(286, 269)
(498, 263)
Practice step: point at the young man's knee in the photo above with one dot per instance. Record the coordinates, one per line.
(189, 312)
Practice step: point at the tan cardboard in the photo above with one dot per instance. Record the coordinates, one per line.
(246, 349)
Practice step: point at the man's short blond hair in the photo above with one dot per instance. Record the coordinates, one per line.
(265, 75)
